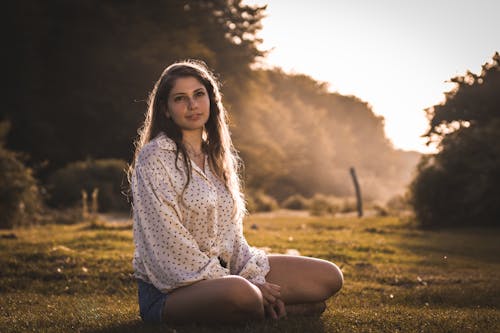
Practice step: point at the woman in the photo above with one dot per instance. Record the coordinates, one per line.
(191, 259)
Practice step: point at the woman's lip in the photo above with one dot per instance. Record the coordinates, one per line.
(194, 116)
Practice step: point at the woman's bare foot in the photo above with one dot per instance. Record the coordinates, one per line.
(305, 309)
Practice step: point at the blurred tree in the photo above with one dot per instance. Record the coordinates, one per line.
(20, 200)
(461, 184)
(79, 67)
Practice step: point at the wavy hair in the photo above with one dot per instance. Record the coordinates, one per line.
(217, 144)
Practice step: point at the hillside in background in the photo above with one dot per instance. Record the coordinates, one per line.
(297, 137)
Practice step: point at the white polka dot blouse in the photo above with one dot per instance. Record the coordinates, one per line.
(179, 243)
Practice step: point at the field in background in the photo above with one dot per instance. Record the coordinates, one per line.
(70, 278)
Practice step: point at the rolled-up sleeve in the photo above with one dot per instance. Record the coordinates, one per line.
(248, 262)
(165, 250)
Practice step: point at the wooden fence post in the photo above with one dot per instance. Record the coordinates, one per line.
(95, 207)
(85, 207)
(358, 192)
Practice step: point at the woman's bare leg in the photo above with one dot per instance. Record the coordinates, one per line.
(306, 283)
(225, 300)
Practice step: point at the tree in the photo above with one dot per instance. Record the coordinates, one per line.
(80, 71)
(460, 185)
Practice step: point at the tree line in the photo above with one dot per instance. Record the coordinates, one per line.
(81, 71)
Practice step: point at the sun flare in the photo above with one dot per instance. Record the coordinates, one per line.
(396, 56)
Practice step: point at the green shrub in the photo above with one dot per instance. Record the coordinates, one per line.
(460, 186)
(296, 202)
(322, 205)
(398, 203)
(349, 205)
(20, 200)
(258, 201)
(106, 175)
(381, 210)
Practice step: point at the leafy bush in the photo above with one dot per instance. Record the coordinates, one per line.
(398, 203)
(348, 205)
(296, 202)
(258, 201)
(20, 200)
(461, 185)
(381, 210)
(322, 205)
(106, 175)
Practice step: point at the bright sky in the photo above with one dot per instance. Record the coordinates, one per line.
(395, 54)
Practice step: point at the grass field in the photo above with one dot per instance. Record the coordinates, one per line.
(75, 278)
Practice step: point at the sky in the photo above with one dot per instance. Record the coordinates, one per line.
(397, 55)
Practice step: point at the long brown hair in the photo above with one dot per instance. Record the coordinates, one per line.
(222, 157)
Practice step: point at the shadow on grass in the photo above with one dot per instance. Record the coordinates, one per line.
(479, 245)
(456, 268)
(296, 324)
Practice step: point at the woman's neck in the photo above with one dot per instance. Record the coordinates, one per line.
(192, 140)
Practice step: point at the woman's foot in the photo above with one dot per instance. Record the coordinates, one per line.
(306, 309)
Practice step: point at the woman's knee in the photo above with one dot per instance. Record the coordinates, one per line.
(329, 279)
(334, 279)
(244, 296)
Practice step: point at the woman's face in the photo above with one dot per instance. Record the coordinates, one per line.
(189, 104)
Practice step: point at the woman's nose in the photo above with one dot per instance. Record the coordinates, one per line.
(192, 103)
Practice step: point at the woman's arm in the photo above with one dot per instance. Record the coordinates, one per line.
(253, 264)
(247, 261)
(167, 253)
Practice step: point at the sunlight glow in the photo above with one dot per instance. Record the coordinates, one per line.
(396, 55)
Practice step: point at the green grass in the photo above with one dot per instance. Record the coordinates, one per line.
(60, 278)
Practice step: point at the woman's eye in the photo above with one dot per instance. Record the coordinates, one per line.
(179, 98)
(200, 93)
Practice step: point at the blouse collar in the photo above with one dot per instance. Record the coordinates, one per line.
(164, 142)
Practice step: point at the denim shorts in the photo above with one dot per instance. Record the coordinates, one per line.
(151, 302)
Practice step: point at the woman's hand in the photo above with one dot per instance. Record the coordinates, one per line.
(273, 304)
(276, 310)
